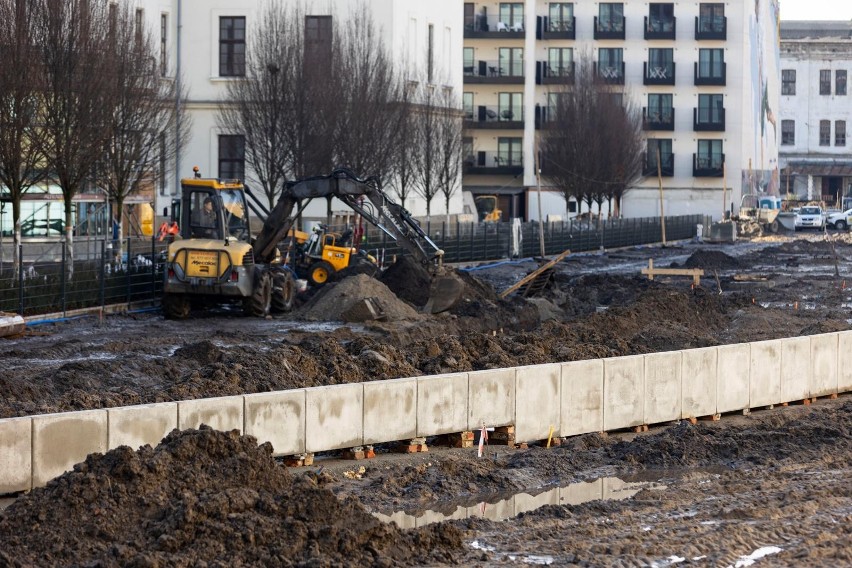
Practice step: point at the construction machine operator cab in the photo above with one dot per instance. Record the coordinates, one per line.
(214, 209)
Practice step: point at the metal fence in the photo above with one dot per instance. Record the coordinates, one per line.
(46, 282)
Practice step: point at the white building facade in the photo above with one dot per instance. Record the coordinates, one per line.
(706, 75)
(816, 111)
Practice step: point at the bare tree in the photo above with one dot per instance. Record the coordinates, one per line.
(592, 144)
(450, 142)
(22, 159)
(427, 119)
(403, 170)
(142, 113)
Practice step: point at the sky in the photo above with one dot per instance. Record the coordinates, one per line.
(816, 9)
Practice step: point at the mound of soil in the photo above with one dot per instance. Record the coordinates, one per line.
(203, 498)
(409, 280)
(711, 259)
(334, 299)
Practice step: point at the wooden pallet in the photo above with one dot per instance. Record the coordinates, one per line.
(534, 275)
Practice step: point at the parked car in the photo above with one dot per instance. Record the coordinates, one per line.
(840, 220)
(809, 217)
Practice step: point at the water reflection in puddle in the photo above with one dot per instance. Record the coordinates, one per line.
(605, 488)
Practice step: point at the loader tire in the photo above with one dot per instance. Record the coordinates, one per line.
(320, 272)
(773, 226)
(176, 306)
(283, 292)
(260, 301)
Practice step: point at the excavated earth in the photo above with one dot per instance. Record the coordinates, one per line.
(773, 487)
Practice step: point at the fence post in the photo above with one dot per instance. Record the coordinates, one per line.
(153, 266)
(458, 240)
(64, 275)
(127, 270)
(485, 254)
(103, 274)
(21, 278)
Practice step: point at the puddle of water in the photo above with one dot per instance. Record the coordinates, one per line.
(790, 305)
(605, 488)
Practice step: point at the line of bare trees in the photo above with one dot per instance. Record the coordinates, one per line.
(82, 103)
(322, 92)
(592, 143)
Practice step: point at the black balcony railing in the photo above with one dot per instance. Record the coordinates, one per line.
(711, 74)
(508, 72)
(612, 28)
(656, 119)
(705, 119)
(485, 26)
(658, 73)
(612, 73)
(711, 27)
(649, 164)
(708, 165)
(494, 163)
(549, 74)
(485, 117)
(551, 28)
(657, 28)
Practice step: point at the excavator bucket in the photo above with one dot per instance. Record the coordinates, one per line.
(444, 292)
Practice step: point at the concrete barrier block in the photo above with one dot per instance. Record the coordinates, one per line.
(579, 493)
(662, 387)
(277, 418)
(537, 395)
(844, 369)
(442, 404)
(795, 368)
(732, 377)
(136, 426)
(824, 354)
(62, 440)
(223, 413)
(491, 398)
(16, 455)
(624, 391)
(390, 410)
(582, 406)
(765, 373)
(699, 370)
(334, 417)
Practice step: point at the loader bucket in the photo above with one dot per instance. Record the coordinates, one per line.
(444, 292)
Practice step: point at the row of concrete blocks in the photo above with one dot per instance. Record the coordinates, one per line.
(571, 398)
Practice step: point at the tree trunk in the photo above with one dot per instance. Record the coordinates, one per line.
(16, 239)
(69, 240)
(119, 251)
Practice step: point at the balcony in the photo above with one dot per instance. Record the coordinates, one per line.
(544, 116)
(656, 28)
(547, 74)
(707, 74)
(495, 72)
(612, 74)
(609, 29)
(708, 165)
(484, 26)
(494, 163)
(556, 29)
(708, 120)
(495, 118)
(657, 119)
(711, 27)
(649, 164)
(658, 74)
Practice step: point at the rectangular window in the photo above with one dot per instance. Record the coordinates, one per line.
(430, 54)
(840, 82)
(467, 103)
(469, 65)
(560, 62)
(710, 109)
(825, 82)
(511, 61)
(139, 25)
(467, 152)
(660, 108)
(788, 132)
(560, 17)
(788, 81)
(711, 17)
(611, 17)
(232, 155)
(511, 106)
(661, 17)
(232, 46)
(510, 152)
(711, 63)
(709, 154)
(660, 63)
(610, 62)
(663, 147)
(825, 133)
(469, 9)
(840, 133)
(164, 54)
(512, 15)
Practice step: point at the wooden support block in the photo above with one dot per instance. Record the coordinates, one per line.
(692, 420)
(521, 446)
(460, 440)
(640, 428)
(299, 460)
(413, 446)
(711, 417)
(354, 454)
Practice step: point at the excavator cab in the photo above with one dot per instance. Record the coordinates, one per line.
(486, 208)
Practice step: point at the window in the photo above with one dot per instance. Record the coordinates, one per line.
(232, 153)
(825, 133)
(711, 63)
(840, 133)
(509, 152)
(430, 54)
(560, 62)
(164, 54)
(709, 154)
(560, 17)
(139, 25)
(663, 148)
(512, 15)
(825, 82)
(232, 46)
(467, 151)
(512, 61)
(511, 106)
(711, 17)
(788, 81)
(840, 82)
(659, 108)
(467, 104)
(611, 17)
(661, 18)
(660, 63)
(610, 62)
(469, 19)
(710, 109)
(788, 132)
(467, 57)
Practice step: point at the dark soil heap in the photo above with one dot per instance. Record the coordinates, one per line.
(710, 260)
(409, 280)
(203, 498)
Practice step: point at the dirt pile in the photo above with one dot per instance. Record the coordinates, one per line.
(203, 498)
(334, 300)
(711, 260)
(409, 280)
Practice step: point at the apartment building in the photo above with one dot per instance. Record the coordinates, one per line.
(706, 75)
(816, 110)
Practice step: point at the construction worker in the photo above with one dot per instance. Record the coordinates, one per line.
(204, 220)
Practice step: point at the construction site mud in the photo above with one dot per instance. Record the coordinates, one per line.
(773, 486)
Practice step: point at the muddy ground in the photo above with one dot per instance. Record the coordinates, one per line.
(774, 483)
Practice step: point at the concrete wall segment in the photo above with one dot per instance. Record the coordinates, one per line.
(334, 417)
(136, 426)
(844, 369)
(277, 418)
(795, 368)
(390, 410)
(765, 373)
(537, 395)
(62, 440)
(582, 406)
(824, 355)
(699, 373)
(662, 397)
(224, 413)
(442, 404)
(732, 377)
(491, 398)
(16, 455)
(624, 391)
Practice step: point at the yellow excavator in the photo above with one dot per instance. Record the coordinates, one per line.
(321, 254)
(215, 258)
(486, 208)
